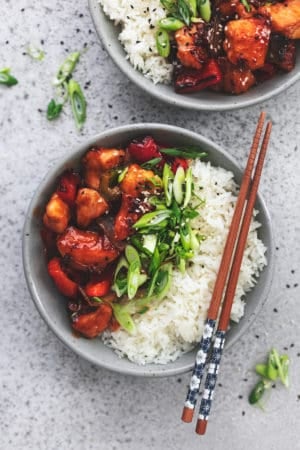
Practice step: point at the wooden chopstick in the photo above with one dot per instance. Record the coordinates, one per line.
(205, 343)
(223, 324)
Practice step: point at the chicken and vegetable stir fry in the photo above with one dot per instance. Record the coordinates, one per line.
(114, 229)
(228, 45)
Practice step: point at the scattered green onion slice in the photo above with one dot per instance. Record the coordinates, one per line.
(53, 110)
(162, 43)
(258, 391)
(35, 53)
(6, 78)
(132, 255)
(78, 103)
(66, 69)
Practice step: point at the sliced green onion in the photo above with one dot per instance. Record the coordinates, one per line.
(193, 7)
(53, 110)
(168, 178)
(246, 5)
(161, 282)
(123, 317)
(163, 43)
(258, 391)
(151, 163)
(122, 175)
(283, 370)
(170, 5)
(66, 69)
(78, 103)
(6, 78)
(153, 219)
(35, 53)
(204, 8)
(188, 187)
(149, 242)
(273, 365)
(133, 279)
(185, 236)
(178, 185)
(191, 152)
(262, 369)
(184, 11)
(132, 255)
(170, 24)
(120, 278)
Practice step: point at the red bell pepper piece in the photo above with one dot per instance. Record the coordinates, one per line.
(92, 324)
(100, 284)
(143, 151)
(63, 283)
(193, 80)
(179, 162)
(67, 187)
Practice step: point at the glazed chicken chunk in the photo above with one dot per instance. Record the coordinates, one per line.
(57, 214)
(86, 250)
(100, 160)
(89, 205)
(285, 17)
(137, 180)
(190, 51)
(246, 42)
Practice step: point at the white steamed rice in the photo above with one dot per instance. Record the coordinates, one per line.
(138, 20)
(176, 325)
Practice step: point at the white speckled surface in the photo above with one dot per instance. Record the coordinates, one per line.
(49, 398)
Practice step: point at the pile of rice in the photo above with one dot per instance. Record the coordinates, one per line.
(176, 325)
(138, 21)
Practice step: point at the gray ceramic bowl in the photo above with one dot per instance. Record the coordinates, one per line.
(202, 101)
(49, 302)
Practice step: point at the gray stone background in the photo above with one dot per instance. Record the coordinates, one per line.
(51, 399)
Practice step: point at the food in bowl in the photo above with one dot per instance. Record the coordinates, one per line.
(134, 237)
(226, 46)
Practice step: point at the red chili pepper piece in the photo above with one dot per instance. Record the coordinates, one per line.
(193, 80)
(179, 162)
(67, 187)
(92, 324)
(100, 284)
(63, 283)
(143, 151)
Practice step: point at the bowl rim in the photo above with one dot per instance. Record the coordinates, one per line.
(159, 369)
(237, 102)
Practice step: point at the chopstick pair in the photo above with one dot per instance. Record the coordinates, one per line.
(227, 279)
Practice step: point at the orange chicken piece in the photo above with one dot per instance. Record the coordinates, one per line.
(86, 250)
(285, 18)
(138, 180)
(189, 50)
(99, 160)
(235, 80)
(246, 42)
(57, 214)
(90, 205)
